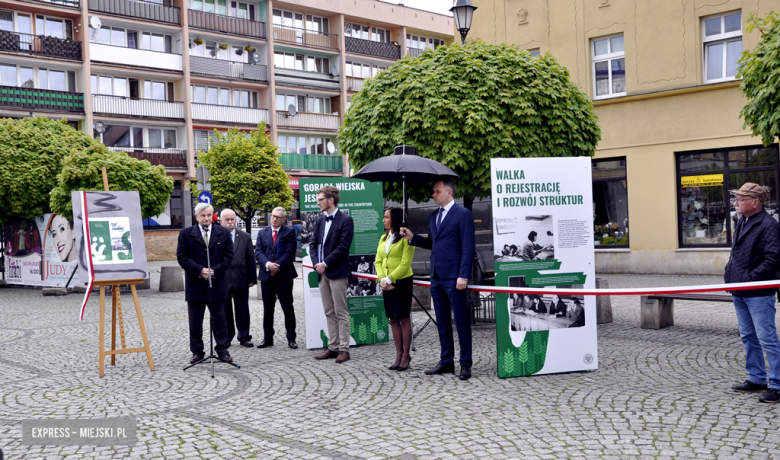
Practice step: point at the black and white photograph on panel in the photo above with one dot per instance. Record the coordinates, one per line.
(529, 238)
(362, 287)
(534, 312)
(308, 219)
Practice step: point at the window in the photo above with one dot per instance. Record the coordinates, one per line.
(283, 101)
(358, 70)
(237, 9)
(204, 139)
(535, 52)
(244, 98)
(290, 143)
(109, 86)
(722, 38)
(53, 27)
(154, 90)
(382, 35)
(317, 24)
(173, 216)
(610, 202)
(117, 36)
(210, 95)
(706, 214)
(301, 62)
(162, 138)
(609, 67)
(356, 31)
(319, 104)
(416, 42)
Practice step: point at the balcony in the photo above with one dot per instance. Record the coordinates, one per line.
(311, 162)
(305, 79)
(225, 69)
(66, 3)
(44, 100)
(306, 120)
(371, 48)
(355, 84)
(152, 11)
(137, 108)
(228, 114)
(414, 52)
(292, 35)
(226, 24)
(172, 158)
(131, 56)
(40, 45)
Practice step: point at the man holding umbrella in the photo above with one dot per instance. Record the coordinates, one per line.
(451, 241)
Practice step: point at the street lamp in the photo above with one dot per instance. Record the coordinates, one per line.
(463, 11)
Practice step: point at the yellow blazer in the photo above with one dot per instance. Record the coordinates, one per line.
(397, 264)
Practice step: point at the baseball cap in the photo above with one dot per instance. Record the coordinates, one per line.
(752, 190)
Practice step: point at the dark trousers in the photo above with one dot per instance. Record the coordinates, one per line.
(240, 300)
(271, 290)
(448, 300)
(196, 310)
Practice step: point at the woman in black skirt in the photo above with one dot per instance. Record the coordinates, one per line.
(394, 274)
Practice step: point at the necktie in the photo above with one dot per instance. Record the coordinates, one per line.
(206, 236)
(273, 239)
(329, 218)
(233, 236)
(441, 214)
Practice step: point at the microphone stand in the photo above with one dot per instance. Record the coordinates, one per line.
(210, 358)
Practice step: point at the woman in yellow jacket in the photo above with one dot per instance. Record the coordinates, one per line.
(394, 273)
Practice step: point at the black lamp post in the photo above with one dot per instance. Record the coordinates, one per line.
(463, 11)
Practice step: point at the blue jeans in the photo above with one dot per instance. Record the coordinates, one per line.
(756, 318)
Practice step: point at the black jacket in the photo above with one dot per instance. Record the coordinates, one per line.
(242, 270)
(755, 253)
(191, 254)
(336, 247)
(282, 252)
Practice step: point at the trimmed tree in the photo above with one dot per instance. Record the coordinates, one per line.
(246, 175)
(83, 171)
(31, 152)
(462, 106)
(759, 70)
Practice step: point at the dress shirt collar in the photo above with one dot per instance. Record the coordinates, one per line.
(449, 206)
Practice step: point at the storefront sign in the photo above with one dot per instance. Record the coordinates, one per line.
(363, 202)
(709, 180)
(543, 236)
(292, 182)
(40, 251)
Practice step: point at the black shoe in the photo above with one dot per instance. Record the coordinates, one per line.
(291, 343)
(448, 368)
(195, 358)
(247, 343)
(266, 343)
(225, 357)
(771, 395)
(393, 367)
(465, 372)
(749, 386)
(403, 368)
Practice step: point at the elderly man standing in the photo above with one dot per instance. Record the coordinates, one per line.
(755, 256)
(194, 242)
(242, 275)
(275, 252)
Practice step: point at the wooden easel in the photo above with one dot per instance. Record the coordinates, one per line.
(116, 312)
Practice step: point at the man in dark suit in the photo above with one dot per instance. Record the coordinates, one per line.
(557, 307)
(191, 254)
(451, 241)
(577, 314)
(242, 275)
(329, 250)
(275, 252)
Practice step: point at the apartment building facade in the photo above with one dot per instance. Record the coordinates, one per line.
(662, 78)
(154, 78)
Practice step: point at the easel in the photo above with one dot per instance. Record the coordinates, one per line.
(116, 311)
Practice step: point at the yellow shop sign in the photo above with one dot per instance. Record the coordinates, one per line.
(709, 180)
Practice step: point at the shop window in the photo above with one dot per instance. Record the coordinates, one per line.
(610, 202)
(707, 217)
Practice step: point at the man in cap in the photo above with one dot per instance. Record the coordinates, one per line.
(755, 256)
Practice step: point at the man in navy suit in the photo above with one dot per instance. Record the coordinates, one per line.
(191, 255)
(451, 241)
(275, 252)
(329, 250)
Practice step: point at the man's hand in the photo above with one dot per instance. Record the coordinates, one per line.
(320, 267)
(273, 268)
(205, 273)
(406, 233)
(462, 284)
(251, 285)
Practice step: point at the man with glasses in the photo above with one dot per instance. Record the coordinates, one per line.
(755, 256)
(275, 252)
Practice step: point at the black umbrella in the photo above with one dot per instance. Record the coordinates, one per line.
(404, 166)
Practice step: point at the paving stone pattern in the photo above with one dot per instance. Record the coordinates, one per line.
(656, 394)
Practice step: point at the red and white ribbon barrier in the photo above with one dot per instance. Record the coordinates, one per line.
(629, 291)
(88, 249)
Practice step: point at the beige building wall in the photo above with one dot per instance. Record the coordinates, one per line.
(667, 108)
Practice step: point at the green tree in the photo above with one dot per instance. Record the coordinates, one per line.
(246, 175)
(31, 152)
(82, 170)
(759, 70)
(462, 106)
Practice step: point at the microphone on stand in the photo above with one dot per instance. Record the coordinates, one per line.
(206, 235)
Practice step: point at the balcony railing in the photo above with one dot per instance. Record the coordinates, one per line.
(68, 3)
(176, 158)
(227, 24)
(311, 162)
(355, 84)
(141, 9)
(414, 52)
(371, 48)
(41, 99)
(40, 45)
(131, 56)
(287, 34)
(143, 108)
(228, 114)
(227, 69)
(308, 120)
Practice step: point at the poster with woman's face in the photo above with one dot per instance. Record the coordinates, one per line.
(59, 250)
(63, 238)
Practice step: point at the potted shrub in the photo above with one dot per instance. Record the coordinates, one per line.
(223, 46)
(249, 48)
(198, 41)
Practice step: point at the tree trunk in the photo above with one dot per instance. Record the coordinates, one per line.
(468, 203)
(246, 216)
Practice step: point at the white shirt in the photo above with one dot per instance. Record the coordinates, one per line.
(446, 210)
(388, 243)
(325, 234)
(203, 234)
(233, 235)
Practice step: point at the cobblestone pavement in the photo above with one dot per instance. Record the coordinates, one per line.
(656, 394)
